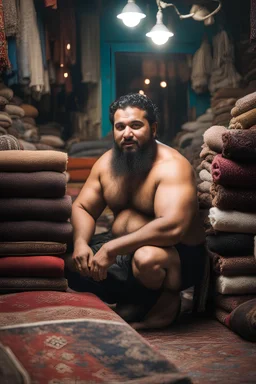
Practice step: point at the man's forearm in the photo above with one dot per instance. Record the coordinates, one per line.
(157, 233)
(83, 226)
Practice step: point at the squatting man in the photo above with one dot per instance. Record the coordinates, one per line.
(155, 248)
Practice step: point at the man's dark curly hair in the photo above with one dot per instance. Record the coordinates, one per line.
(135, 100)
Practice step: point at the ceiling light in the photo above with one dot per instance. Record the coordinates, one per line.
(159, 33)
(147, 81)
(131, 14)
(163, 84)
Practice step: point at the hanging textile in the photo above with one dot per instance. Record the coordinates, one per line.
(201, 68)
(4, 61)
(10, 17)
(90, 46)
(29, 48)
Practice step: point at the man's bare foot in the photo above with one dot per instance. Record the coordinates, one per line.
(163, 313)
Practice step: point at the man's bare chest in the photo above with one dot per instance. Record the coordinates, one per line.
(123, 194)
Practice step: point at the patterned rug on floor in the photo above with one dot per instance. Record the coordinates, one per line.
(74, 338)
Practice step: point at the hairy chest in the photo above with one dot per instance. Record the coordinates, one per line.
(121, 194)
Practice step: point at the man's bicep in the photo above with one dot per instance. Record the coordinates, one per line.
(91, 196)
(176, 201)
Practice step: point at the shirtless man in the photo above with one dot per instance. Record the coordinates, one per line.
(155, 248)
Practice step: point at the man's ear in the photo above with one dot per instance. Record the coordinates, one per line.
(154, 129)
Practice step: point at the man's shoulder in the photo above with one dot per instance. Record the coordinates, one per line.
(103, 162)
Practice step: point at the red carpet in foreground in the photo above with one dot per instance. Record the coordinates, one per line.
(72, 338)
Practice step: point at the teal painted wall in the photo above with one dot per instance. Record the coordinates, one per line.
(116, 37)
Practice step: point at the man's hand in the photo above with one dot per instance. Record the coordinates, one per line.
(100, 262)
(82, 258)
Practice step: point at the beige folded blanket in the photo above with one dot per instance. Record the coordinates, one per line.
(244, 104)
(204, 186)
(206, 151)
(236, 285)
(232, 221)
(205, 175)
(213, 137)
(206, 165)
(31, 248)
(244, 121)
(30, 161)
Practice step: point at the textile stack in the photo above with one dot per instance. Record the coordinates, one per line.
(233, 215)
(34, 220)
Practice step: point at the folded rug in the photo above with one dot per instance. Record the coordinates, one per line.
(14, 110)
(79, 174)
(226, 92)
(206, 151)
(206, 165)
(229, 302)
(231, 244)
(244, 121)
(14, 209)
(220, 110)
(222, 316)
(228, 172)
(223, 102)
(244, 104)
(27, 248)
(37, 266)
(228, 198)
(9, 142)
(240, 145)
(213, 137)
(205, 175)
(234, 266)
(81, 163)
(35, 231)
(88, 145)
(243, 320)
(32, 184)
(204, 186)
(17, 284)
(205, 200)
(236, 285)
(223, 118)
(29, 110)
(31, 161)
(232, 221)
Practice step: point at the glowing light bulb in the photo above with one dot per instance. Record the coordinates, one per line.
(68, 47)
(65, 75)
(163, 84)
(147, 81)
(62, 65)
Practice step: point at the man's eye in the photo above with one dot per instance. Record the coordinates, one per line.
(136, 126)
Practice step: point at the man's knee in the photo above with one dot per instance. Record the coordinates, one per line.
(144, 259)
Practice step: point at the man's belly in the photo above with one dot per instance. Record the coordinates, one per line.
(129, 220)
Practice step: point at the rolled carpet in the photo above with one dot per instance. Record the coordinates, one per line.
(205, 175)
(244, 121)
(239, 145)
(204, 187)
(228, 198)
(243, 320)
(35, 231)
(244, 104)
(232, 221)
(31, 248)
(9, 142)
(222, 316)
(230, 302)
(230, 173)
(31, 161)
(206, 165)
(37, 266)
(236, 285)
(18, 284)
(32, 184)
(231, 244)
(207, 151)
(14, 209)
(234, 266)
(213, 137)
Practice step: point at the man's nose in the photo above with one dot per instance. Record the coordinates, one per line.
(128, 132)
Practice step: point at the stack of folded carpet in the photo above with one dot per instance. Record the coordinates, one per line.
(212, 146)
(233, 216)
(34, 220)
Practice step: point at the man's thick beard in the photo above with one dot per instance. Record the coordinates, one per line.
(134, 163)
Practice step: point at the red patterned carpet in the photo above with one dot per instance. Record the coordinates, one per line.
(207, 351)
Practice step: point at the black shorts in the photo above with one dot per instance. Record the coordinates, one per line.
(120, 284)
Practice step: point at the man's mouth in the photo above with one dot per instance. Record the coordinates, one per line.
(129, 144)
